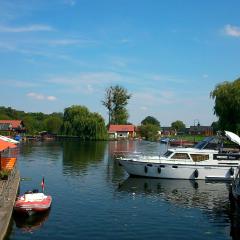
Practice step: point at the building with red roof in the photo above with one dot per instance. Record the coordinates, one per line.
(11, 127)
(121, 131)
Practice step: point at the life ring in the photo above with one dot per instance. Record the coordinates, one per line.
(145, 169)
(195, 173)
(231, 171)
(159, 170)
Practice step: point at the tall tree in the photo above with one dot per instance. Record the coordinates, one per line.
(108, 102)
(116, 100)
(150, 120)
(178, 125)
(227, 105)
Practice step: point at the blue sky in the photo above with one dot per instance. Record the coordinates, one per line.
(168, 54)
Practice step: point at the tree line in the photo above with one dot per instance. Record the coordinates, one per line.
(77, 120)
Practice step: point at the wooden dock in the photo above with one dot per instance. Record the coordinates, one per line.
(8, 193)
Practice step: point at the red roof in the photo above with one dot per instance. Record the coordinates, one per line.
(121, 128)
(14, 123)
(4, 145)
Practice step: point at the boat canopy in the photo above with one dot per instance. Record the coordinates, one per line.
(208, 143)
(233, 137)
(7, 139)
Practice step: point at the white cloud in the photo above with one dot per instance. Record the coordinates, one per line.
(39, 96)
(51, 98)
(29, 28)
(233, 31)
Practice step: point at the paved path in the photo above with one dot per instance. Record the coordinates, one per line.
(7, 202)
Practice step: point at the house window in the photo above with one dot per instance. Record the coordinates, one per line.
(199, 157)
(180, 156)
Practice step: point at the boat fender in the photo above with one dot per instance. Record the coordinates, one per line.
(159, 170)
(195, 173)
(231, 171)
(119, 164)
(145, 169)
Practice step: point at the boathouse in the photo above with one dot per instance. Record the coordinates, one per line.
(121, 131)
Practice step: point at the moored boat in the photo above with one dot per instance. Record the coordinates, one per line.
(32, 202)
(207, 160)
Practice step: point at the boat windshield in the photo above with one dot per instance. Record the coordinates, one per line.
(208, 143)
(167, 154)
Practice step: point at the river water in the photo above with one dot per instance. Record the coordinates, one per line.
(93, 197)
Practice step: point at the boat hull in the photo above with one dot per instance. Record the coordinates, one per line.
(178, 171)
(30, 207)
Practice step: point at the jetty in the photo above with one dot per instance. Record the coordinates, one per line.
(8, 192)
(9, 184)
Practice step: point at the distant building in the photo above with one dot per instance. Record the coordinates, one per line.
(12, 127)
(201, 130)
(168, 131)
(121, 131)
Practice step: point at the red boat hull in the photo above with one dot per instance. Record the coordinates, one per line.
(23, 206)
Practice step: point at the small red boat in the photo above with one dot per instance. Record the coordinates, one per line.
(32, 202)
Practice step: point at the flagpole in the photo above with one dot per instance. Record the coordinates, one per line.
(43, 184)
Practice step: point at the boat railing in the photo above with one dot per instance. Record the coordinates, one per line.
(126, 154)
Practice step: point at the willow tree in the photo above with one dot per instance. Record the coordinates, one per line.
(227, 105)
(116, 100)
(79, 121)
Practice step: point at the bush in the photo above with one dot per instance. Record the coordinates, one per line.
(4, 174)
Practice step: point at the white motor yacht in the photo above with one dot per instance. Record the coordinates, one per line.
(207, 160)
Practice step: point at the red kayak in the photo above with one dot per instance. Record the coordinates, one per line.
(32, 202)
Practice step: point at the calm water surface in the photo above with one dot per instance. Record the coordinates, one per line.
(93, 197)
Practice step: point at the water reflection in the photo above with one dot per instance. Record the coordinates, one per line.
(186, 193)
(30, 223)
(78, 155)
(211, 197)
(235, 219)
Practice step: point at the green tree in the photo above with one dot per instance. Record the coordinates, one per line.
(116, 100)
(53, 124)
(227, 105)
(150, 120)
(108, 102)
(178, 125)
(79, 121)
(149, 131)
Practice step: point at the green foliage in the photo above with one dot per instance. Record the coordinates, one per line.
(150, 120)
(227, 105)
(53, 124)
(78, 121)
(149, 131)
(34, 122)
(215, 126)
(115, 100)
(4, 174)
(178, 125)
